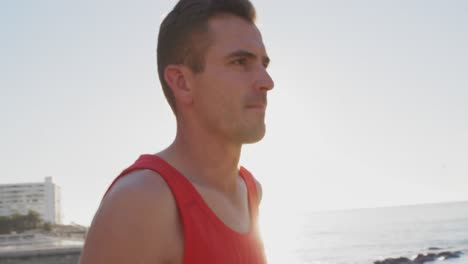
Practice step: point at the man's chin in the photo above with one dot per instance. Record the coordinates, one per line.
(254, 137)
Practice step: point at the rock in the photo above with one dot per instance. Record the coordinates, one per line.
(421, 258)
(400, 260)
(434, 248)
(450, 255)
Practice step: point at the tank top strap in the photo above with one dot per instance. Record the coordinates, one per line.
(251, 189)
(184, 192)
(181, 188)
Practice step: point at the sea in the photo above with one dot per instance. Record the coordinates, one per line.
(363, 236)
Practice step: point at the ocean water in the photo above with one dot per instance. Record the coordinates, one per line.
(365, 235)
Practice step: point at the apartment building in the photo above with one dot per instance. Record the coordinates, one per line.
(42, 197)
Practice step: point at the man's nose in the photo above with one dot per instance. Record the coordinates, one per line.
(264, 81)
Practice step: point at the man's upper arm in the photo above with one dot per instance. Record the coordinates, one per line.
(134, 224)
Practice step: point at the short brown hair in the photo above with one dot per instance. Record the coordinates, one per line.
(183, 34)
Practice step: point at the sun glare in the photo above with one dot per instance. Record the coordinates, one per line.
(280, 229)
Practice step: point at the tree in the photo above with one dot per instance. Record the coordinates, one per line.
(33, 220)
(20, 223)
(5, 225)
(47, 227)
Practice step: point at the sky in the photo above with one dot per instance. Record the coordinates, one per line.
(369, 107)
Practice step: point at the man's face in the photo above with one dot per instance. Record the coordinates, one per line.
(230, 95)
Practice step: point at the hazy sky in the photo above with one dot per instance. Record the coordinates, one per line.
(370, 106)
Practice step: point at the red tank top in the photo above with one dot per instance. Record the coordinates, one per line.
(207, 240)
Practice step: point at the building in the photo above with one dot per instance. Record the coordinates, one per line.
(42, 197)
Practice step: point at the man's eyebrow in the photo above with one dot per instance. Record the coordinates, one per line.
(248, 54)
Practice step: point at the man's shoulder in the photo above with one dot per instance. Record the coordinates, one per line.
(143, 190)
(259, 190)
(139, 185)
(137, 220)
(142, 194)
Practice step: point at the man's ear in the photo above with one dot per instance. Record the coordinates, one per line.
(178, 79)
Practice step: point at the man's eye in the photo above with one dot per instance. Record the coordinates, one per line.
(242, 61)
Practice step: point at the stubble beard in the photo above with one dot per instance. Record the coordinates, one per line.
(252, 134)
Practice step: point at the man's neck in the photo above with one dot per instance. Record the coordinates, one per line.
(205, 160)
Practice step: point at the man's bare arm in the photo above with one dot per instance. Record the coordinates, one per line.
(136, 223)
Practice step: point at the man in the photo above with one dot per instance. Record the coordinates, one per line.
(191, 203)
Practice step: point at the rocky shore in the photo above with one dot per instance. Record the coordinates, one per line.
(435, 254)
